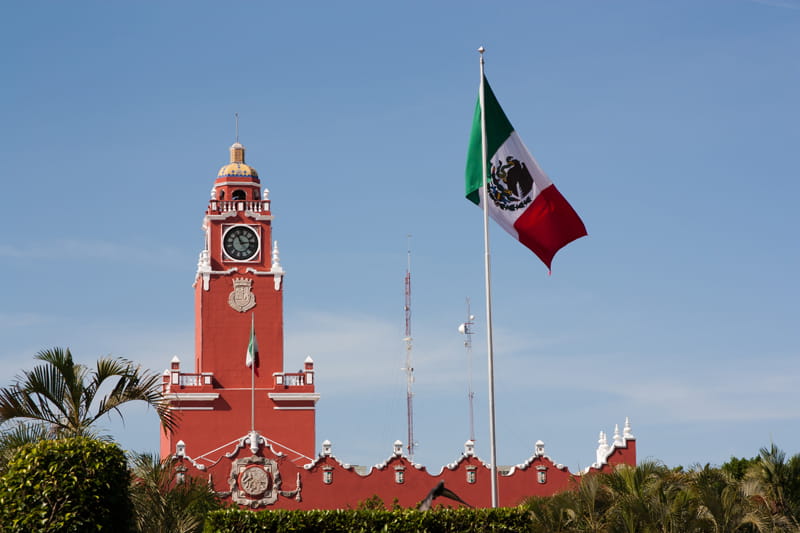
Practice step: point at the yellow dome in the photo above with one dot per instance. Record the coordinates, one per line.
(237, 167)
(237, 170)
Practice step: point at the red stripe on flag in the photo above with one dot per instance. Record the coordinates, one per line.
(549, 224)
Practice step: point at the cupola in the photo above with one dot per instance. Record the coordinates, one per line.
(237, 181)
(237, 168)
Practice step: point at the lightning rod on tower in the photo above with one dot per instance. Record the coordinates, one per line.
(409, 368)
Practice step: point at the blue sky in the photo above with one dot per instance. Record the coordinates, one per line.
(671, 126)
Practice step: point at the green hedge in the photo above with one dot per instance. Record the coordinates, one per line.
(510, 520)
(67, 485)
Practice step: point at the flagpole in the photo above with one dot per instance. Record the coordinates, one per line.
(487, 271)
(253, 375)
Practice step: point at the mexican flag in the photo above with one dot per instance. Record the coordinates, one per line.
(522, 199)
(251, 359)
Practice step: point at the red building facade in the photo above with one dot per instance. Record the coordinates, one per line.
(251, 431)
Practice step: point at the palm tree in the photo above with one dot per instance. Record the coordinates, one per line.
(17, 435)
(65, 398)
(164, 504)
(633, 492)
(725, 505)
(591, 504)
(673, 508)
(552, 514)
(779, 481)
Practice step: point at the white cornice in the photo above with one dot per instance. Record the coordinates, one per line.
(251, 270)
(223, 216)
(204, 271)
(294, 396)
(231, 270)
(257, 216)
(191, 396)
(237, 184)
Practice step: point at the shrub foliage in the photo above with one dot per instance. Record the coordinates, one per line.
(66, 485)
(369, 520)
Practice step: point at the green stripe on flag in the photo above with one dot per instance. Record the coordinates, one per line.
(498, 129)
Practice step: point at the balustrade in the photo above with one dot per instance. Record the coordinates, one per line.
(297, 379)
(294, 380)
(179, 380)
(255, 206)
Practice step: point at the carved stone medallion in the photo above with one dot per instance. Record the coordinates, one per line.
(241, 298)
(256, 482)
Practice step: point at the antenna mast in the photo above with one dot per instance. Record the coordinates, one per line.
(409, 368)
(466, 329)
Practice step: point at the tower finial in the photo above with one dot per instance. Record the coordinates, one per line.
(626, 430)
(237, 126)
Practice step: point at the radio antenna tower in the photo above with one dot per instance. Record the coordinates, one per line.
(466, 329)
(409, 368)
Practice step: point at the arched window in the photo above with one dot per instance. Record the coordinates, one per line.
(238, 194)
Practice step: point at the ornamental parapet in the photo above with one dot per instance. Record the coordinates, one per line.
(301, 378)
(239, 206)
(327, 482)
(173, 380)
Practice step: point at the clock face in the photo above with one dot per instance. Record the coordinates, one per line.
(240, 243)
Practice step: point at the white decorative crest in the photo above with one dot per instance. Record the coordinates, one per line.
(241, 298)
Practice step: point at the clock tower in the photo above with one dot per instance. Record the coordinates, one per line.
(238, 294)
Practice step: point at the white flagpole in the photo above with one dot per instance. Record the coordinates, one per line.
(252, 373)
(487, 269)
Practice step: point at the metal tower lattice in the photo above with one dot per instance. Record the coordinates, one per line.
(466, 329)
(409, 367)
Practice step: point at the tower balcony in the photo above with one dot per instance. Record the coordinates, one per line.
(175, 381)
(179, 382)
(292, 380)
(238, 206)
(302, 380)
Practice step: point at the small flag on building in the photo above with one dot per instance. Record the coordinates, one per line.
(522, 199)
(251, 359)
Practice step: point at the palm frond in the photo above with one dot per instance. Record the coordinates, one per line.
(164, 504)
(68, 396)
